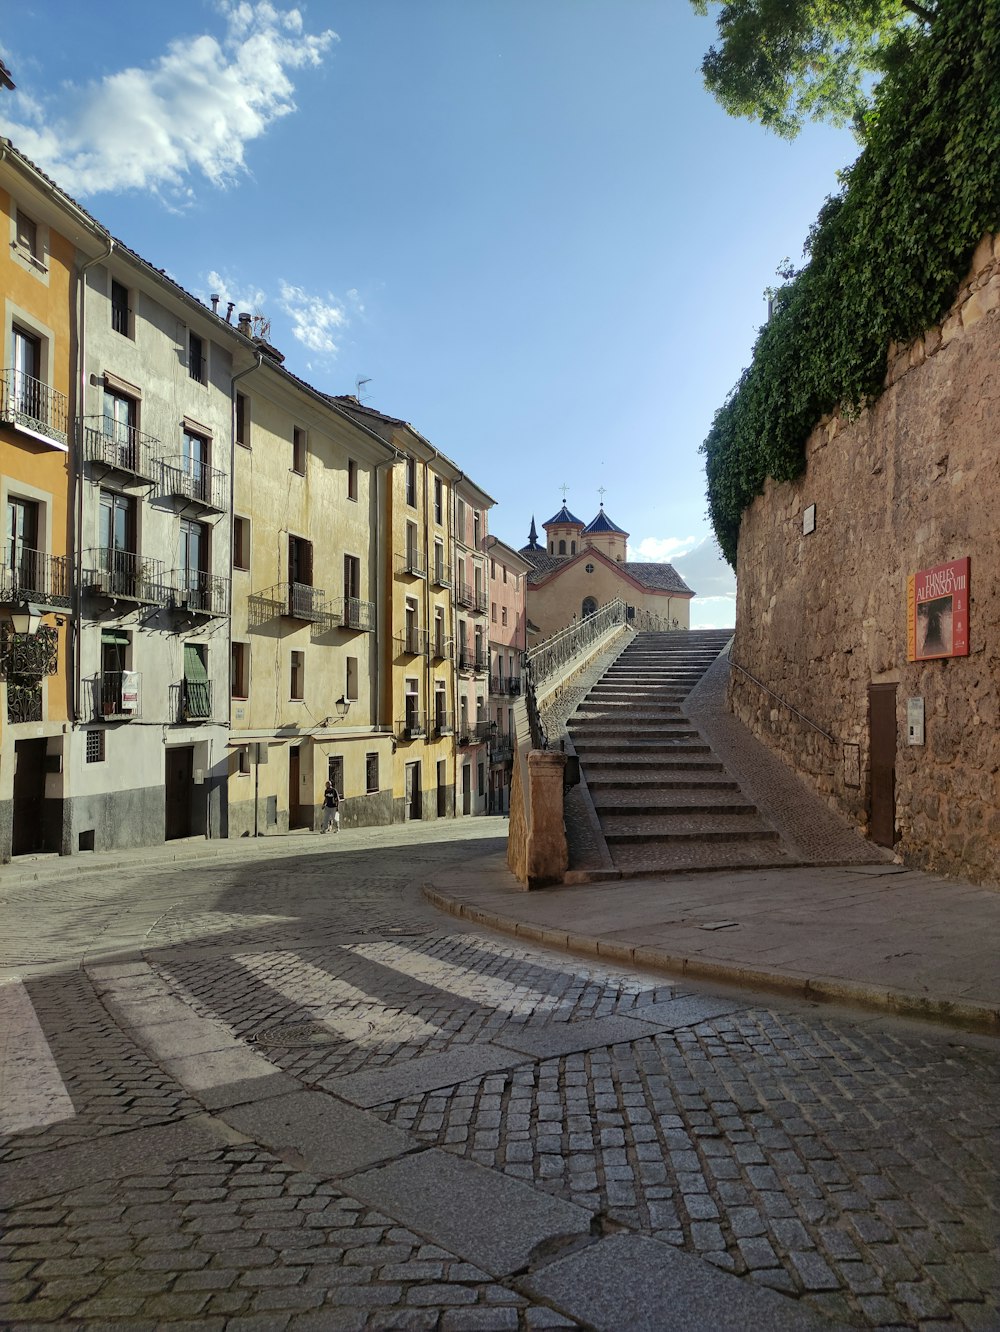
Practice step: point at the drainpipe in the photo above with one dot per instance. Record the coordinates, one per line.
(386, 583)
(76, 635)
(232, 504)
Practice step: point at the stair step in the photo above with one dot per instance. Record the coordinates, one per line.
(615, 803)
(641, 836)
(651, 862)
(695, 782)
(642, 765)
(626, 747)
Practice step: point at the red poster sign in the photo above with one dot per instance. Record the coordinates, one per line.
(938, 611)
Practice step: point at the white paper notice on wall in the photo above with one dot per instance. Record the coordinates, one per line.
(914, 721)
(808, 519)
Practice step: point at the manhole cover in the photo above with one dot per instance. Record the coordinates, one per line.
(296, 1033)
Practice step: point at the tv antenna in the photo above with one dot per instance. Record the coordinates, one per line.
(359, 383)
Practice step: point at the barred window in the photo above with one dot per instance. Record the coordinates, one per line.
(95, 746)
(371, 773)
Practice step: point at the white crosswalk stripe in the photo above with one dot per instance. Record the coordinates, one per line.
(350, 1012)
(32, 1094)
(464, 982)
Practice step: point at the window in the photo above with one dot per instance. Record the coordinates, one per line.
(119, 426)
(352, 576)
(193, 564)
(590, 568)
(196, 453)
(439, 572)
(352, 479)
(243, 760)
(503, 614)
(411, 546)
(197, 359)
(119, 308)
(482, 780)
(95, 746)
(562, 547)
(440, 706)
(298, 677)
(239, 674)
(351, 687)
(197, 687)
(505, 573)
(412, 636)
(411, 704)
(118, 565)
(476, 517)
(438, 500)
(411, 482)
(589, 606)
(493, 568)
(460, 520)
(243, 420)
(572, 548)
(493, 611)
(371, 773)
(21, 551)
(298, 449)
(439, 632)
(300, 561)
(27, 234)
(30, 395)
(241, 543)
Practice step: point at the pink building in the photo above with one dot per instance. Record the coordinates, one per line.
(507, 586)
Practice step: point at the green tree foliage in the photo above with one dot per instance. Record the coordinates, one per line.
(885, 258)
(785, 61)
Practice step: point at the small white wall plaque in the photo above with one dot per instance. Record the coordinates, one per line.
(808, 519)
(914, 721)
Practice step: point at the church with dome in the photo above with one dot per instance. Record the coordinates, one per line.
(582, 566)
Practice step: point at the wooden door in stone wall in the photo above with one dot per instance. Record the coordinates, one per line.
(882, 749)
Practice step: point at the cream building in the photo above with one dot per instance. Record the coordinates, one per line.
(582, 567)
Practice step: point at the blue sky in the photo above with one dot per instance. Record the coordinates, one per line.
(524, 221)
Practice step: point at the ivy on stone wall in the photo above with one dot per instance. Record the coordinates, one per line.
(885, 258)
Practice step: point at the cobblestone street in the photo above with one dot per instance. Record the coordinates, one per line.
(274, 1088)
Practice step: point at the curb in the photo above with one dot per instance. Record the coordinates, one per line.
(965, 1015)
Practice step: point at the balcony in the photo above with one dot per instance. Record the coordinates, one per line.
(510, 687)
(444, 724)
(32, 407)
(501, 747)
(116, 696)
(442, 574)
(465, 594)
(196, 483)
(121, 575)
(480, 602)
(442, 649)
(34, 576)
(191, 701)
(300, 601)
(411, 565)
(119, 448)
(410, 644)
(411, 727)
(359, 616)
(472, 661)
(199, 593)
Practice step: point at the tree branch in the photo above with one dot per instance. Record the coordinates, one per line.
(925, 15)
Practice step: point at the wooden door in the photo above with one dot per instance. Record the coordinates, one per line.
(882, 763)
(294, 777)
(29, 797)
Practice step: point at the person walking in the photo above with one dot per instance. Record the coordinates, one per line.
(331, 807)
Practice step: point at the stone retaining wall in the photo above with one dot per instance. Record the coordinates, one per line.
(911, 483)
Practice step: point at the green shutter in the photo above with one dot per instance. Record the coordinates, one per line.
(198, 696)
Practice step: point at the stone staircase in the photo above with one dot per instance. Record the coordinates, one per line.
(664, 800)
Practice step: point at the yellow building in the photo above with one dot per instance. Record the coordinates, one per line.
(582, 567)
(436, 526)
(308, 601)
(45, 236)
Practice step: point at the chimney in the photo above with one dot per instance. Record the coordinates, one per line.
(229, 311)
(246, 323)
(215, 303)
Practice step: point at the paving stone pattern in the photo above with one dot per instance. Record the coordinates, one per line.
(847, 1163)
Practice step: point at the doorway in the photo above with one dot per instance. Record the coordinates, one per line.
(442, 788)
(413, 810)
(29, 797)
(294, 779)
(882, 749)
(178, 783)
(466, 788)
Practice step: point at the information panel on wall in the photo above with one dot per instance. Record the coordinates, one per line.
(937, 611)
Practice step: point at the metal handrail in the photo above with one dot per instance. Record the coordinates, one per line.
(34, 576)
(545, 659)
(119, 446)
(785, 704)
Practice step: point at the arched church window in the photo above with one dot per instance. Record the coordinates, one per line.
(562, 547)
(572, 548)
(589, 606)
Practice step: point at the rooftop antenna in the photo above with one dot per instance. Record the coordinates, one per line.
(359, 384)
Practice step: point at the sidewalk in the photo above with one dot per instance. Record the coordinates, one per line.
(877, 935)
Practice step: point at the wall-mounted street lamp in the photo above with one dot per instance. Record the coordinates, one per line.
(25, 620)
(343, 706)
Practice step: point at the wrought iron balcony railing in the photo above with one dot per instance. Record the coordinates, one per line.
(472, 661)
(27, 657)
(444, 723)
(442, 574)
(191, 701)
(24, 702)
(33, 576)
(200, 593)
(29, 404)
(120, 448)
(465, 594)
(196, 482)
(117, 695)
(410, 643)
(501, 746)
(411, 727)
(124, 575)
(412, 564)
(480, 602)
(442, 649)
(359, 615)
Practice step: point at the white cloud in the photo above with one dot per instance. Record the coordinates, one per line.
(229, 289)
(713, 613)
(315, 319)
(660, 550)
(193, 110)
